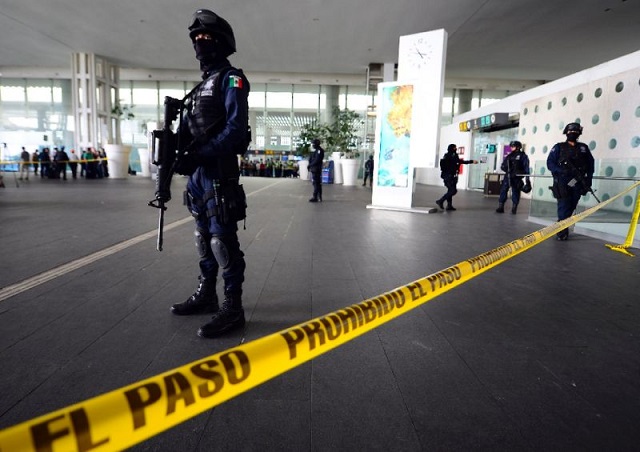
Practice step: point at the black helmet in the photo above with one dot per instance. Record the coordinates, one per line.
(206, 21)
(516, 144)
(572, 127)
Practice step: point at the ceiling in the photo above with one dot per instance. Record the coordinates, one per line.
(537, 40)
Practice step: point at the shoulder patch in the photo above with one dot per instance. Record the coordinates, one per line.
(235, 81)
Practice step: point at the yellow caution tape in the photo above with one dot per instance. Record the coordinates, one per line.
(633, 225)
(126, 416)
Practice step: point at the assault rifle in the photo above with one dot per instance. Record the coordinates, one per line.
(578, 177)
(165, 150)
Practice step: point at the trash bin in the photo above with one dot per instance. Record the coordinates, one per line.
(492, 183)
(327, 172)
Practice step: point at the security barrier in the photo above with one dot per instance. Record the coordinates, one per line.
(126, 416)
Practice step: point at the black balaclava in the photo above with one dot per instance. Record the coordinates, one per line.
(207, 53)
(572, 136)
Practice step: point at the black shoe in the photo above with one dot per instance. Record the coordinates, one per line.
(440, 204)
(514, 209)
(226, 320)
(500, 208)
(203, 301)
(451, 208)
(313, 200)
(562, 237)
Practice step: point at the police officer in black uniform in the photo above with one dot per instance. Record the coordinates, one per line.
(315, 168)
(368, 172)
(216, 122)
(572, 167)
(449, 169)
(517, 162)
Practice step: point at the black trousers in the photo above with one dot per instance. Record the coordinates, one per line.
(316, 179)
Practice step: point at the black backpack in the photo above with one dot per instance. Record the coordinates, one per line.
(448, 165)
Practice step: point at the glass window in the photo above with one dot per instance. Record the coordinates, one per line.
(12, 91)
(177, 90)
(276, 124)
(145, 93)
(39, 94)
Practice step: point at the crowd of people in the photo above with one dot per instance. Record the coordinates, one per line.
(57, 163)
(269, 168)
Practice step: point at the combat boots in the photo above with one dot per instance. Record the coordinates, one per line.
(228, 318)
(500, 208)
(514, 209)
(203, 301)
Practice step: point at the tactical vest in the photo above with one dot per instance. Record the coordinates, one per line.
(205, 106)
(514, 163)
(206, 117)
(576, 155)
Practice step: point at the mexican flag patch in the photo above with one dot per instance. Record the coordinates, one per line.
(235, 81)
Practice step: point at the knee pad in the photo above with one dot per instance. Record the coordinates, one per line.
(202, 245)
(224, 250)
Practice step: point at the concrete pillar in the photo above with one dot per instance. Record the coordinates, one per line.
(94, 83)
(389, 72)
(333, 94)
(464, 101)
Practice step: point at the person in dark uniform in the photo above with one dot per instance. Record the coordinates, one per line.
(449, 169)
(45, 163)
(315, 169)
(216, 123)
(571, 164)
(517, 162)
(61, 158)
(35, 158)
(368, 171)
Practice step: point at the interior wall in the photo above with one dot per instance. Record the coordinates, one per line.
(609, 111)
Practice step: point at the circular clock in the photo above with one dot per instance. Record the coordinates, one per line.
(420, 53)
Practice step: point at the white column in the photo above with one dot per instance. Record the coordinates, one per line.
(95, 83)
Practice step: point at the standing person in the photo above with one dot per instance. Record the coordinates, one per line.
(216, 119)
(35, 159)
(73, 163)
(571, 164)
(45, 163)
(84, 156)
(449, 169)
(315, 169)
(25, 161)
(61, 158)
(368, 171)
(517, 162)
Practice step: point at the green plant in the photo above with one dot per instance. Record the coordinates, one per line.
(338, 136)
(341, 133)
(308, 133)
(123, 111)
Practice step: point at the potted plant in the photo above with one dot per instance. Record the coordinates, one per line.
(308, 133)
(118, 154)
(340, 137)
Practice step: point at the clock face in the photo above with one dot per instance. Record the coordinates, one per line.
(420, 53)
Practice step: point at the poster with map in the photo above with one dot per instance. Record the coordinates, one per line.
(396, 111)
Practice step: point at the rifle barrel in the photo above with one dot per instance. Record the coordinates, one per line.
(160, 225)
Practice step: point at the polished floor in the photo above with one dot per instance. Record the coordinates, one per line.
(539, 353)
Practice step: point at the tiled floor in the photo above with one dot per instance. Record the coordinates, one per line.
(539, 353)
